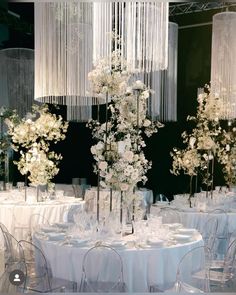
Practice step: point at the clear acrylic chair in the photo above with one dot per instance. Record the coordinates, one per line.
(224, 279)
(193, 271)
(5, 285)
(13, 252)
(102, 271)
(39, 275)
(21, 228)
(209, 233)
(169, 215)
(222, 233)
(232, 237)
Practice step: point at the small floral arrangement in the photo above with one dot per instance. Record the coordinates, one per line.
(226, 153)
(202, 143)
(31, 136)
(119, 154)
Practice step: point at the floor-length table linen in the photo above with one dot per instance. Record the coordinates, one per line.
(15, 215)
(66, 262)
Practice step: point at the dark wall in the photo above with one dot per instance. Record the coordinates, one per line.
(194, 60)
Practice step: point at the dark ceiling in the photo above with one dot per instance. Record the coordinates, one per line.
(19, 18)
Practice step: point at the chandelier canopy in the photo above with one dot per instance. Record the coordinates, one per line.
(163, 104)
(63, 53)
(17, 79)
(72, 36)
(223, 68)
(141, 29)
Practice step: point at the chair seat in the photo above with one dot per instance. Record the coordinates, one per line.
(184, 287)
(104, 287)
(56, 284)
(217, 264)
(217, 276)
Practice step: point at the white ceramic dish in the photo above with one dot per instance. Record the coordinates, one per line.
(174, 226)
(78, 242)
(63, 225)
(187, 231)
(156, 242)
(47, 229)
(182, 238)
(56, 236)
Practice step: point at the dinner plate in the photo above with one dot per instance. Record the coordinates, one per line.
(155, 242)
(63, 225)
(182, 238)
(117, 244)
(188, 231)
(47, 229)
(56, 236)
(78, 242)
(174, 226)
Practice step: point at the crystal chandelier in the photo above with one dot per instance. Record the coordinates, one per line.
(163, 103)
(223, 67)
(63, 56)
(142, 30)
(17, 79)
(69, 37)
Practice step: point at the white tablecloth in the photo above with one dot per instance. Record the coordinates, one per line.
(161, 263)
(191, 218)
(16, 215)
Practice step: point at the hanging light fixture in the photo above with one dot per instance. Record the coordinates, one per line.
(223, 67)
(17, 79)
(142, 31)
(69, 37)
(163, 103)
(63, 56)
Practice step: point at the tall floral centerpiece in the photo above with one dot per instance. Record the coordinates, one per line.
(119, 156)
(31, 137)
(226, 153)
(202, 143)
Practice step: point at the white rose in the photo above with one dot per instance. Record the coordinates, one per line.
(146, 123)
(102, 165)
(99, 146)
(146, 94)
(138, 85)
(93, 150)
(128, 156)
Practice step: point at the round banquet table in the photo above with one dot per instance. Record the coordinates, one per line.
(138, 263)
(15, 215)
(191, 218)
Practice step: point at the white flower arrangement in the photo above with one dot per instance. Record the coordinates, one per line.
(121, 162)
(31, 136)
(202, 142)
(226, 153)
